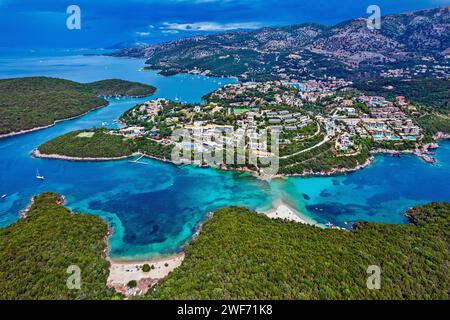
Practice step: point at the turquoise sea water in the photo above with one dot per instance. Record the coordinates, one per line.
(156, 208)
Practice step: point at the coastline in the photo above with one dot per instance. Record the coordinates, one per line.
(24, 212)
(17, 133)
(421, 153)
(37, 154)
(332, 172)
(121, 272)
(441, 136)
(164, 73)
(283, 211)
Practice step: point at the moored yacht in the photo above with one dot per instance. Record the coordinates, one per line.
(38, 176)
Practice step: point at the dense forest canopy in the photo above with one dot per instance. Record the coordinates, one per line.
(96, 143)
(36, 252)
(100, 143)
(27, 103)
(244, 255)
(239, 254)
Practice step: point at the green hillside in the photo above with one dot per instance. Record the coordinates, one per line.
(27, 103)
(35, 253)
(239, 254)
(243, 255)
(99, 143)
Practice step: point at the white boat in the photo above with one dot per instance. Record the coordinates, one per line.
(3, 196)
(38, 176)
(330, 225)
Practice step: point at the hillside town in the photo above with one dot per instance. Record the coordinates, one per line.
(237, 114)
(430, 67)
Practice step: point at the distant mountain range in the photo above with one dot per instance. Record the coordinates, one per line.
(347, 49)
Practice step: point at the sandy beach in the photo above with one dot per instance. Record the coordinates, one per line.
(122, 272)
(282, 211)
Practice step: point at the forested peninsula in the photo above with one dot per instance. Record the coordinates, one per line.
(31, 103)
(238, 254)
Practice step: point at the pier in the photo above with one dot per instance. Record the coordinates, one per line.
(138, 160)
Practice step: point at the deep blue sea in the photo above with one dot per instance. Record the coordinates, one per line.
(155, 208)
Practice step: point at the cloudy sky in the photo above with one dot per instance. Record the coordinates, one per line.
(106, 23)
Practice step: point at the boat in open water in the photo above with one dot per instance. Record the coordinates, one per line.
(39, 176)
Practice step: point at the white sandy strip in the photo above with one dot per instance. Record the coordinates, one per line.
(284, 212)
(122, 272)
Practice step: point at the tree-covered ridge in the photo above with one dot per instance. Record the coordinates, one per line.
(243, 255)
(27, 103)
(116, 87)
(101, 143)
(36, 251)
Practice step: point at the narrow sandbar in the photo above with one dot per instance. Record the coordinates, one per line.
(283, 211)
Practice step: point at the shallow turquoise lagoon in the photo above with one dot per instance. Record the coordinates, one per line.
(156, 208)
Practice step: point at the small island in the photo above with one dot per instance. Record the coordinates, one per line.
(324, 128)
(33, 103)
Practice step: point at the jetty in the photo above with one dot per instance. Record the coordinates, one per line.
(138, 160)
(428, 158)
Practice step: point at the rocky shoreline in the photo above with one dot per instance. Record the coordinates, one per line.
(441, 136)
(37, 154)
(332, 172)
(13, 134)
(24, 212)
(423, 153)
